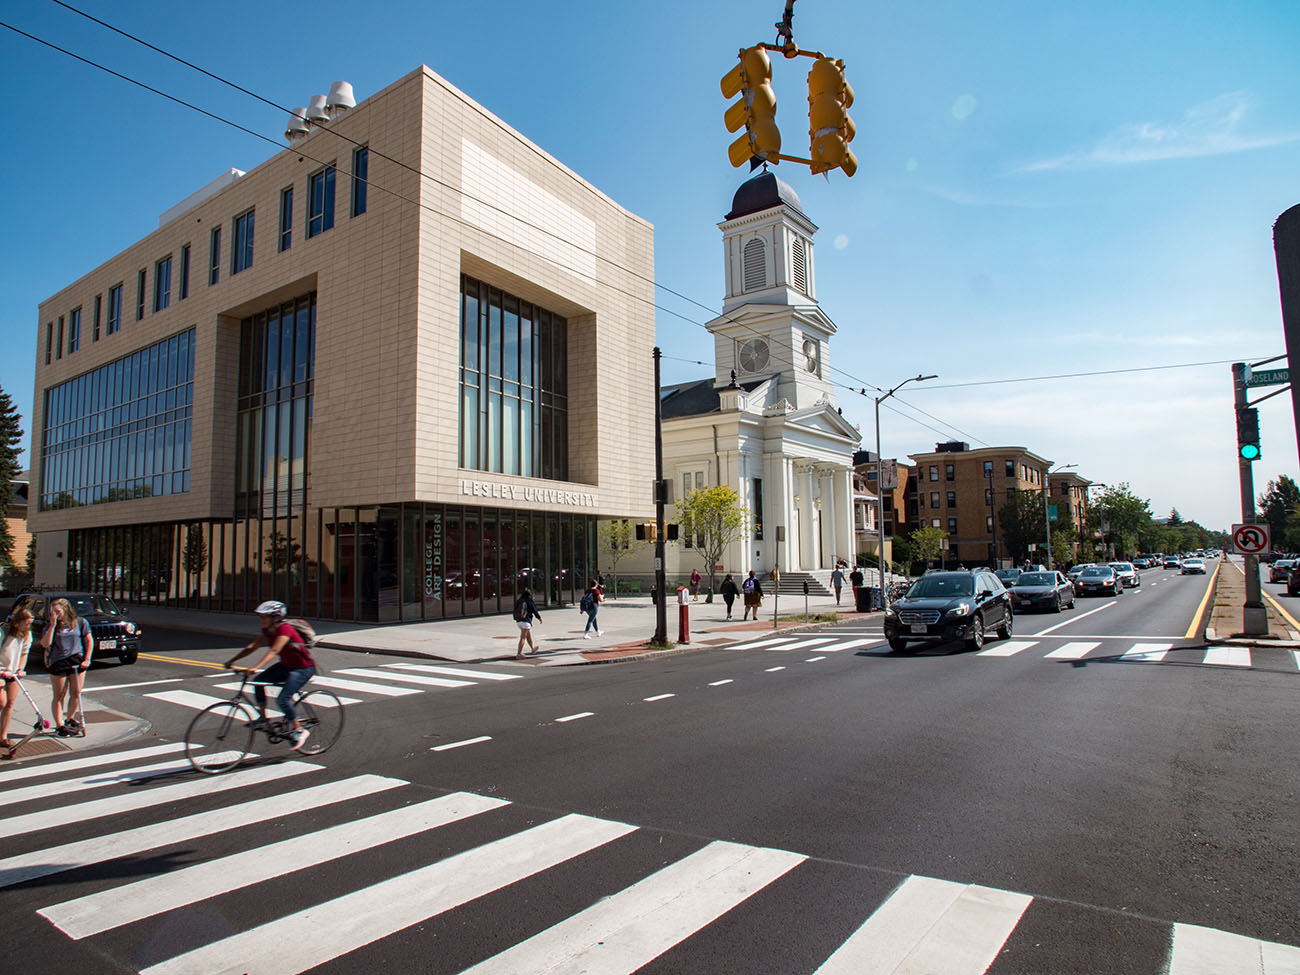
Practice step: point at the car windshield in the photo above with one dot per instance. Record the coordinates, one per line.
(90, 605)
(932, 586)
(1007, 573)
(1099, 570)
(1036, 579)
(1122, 566)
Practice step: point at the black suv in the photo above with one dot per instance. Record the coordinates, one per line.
(950, 606)
(115, 635)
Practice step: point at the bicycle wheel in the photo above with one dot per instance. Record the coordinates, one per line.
(219, 737)
(321, 714)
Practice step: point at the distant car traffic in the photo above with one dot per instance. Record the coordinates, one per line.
(1008, 577)
(1171, 562)
(1042, 590)
(1076, 571)
(1279, 570)
(950, 606)
(115, 635)
(1193, 567)
(1128, 573)
(1100, 579)
(1293, 581)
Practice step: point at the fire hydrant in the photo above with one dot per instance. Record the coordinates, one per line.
(683, 614)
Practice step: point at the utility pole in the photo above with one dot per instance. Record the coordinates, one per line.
(1254, 613)
(1047, 506)
(661, 496)
(880, 491)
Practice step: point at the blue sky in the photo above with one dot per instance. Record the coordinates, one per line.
(1043, 188)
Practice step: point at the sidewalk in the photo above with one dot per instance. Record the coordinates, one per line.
(1226, 623)
(627, 625)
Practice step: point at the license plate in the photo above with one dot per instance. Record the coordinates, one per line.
(108, 644)
(919, 627)
(1025, 602)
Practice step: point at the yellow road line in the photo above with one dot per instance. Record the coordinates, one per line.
(1278, 606)
(184, 660)
(1200, 610)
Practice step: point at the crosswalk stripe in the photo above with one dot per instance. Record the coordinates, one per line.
(624, 932)
(760, 643)
(112, 846)
(64, 787)
(197, 702)
(454, 671)
(116, 906)
(930, 925)
(1146, 651)
(318, 934)
(848, 645)
(144, 798)
(407, 678)
(1228, 656)
(1073, 651)
(805, 644)
(1296, 655)
(384, 690)
(89, 761)
(1007, 648)
(1205, 951)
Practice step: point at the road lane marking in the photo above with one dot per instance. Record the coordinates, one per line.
(107, 909)
(321, 702)
(1072, 619)
(127, 776)
(1296, 655)
(408, 678)
(146, 683)
(623, 933)
(185, 660)
(851, 644)
(930, 925)
(385, 690)
(1008, 648)
(761, 643)
(1278, 606)
(1073, 651)
(312, 937)
(719, 683)
(461, 744)
(1145, 651)
(575, 717)
(454, 671)
(658, 697)
(773, 670)
(1195, 626)
(1197, 950)
(76, 764)
(1228, 656)
(812, 660)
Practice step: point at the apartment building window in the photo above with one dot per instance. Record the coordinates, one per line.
(58, 348)
(988, 497)
(949, 473)
(934, 472)
(214, 256)
(988, 523)
(139, 294)
(952, 526)
(286, 218)
(934, 499)
(74, 330)
(320, 201)
(185, 272)
(49, 342)
(1024, 472)
(1010, 468)
(99, 305)
(988, 468)
(920, 500)
(952, 499)
(241, 243)
(162, 284)
(114, 309)
(360, 167)
(935, 523)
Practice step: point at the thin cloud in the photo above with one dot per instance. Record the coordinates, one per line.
(1212, 128)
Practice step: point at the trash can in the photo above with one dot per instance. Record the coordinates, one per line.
(862, 598)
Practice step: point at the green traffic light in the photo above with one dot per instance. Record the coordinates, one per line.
(1250, 451)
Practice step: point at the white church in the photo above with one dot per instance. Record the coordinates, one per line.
(766, 424)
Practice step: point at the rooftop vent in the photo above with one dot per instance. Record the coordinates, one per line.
(298, 127)
(340, 98)
(316, 110)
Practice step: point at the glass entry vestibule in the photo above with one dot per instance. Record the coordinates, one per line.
(383, 563)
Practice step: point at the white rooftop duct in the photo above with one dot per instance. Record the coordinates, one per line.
(340, 98)
(297, 127)
(316, 110)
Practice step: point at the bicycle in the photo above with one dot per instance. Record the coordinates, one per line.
(221, 735)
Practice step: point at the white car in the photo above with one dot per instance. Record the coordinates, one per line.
(1193, 566)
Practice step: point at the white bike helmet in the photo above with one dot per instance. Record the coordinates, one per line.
(272, 607)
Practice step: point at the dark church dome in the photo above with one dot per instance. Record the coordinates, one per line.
(762, 192)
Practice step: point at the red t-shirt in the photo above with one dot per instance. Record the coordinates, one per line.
(294, 654)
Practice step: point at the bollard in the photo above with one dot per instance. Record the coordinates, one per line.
(683, 615)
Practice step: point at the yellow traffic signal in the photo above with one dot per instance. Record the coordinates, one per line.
(756, 111)
(830, 129)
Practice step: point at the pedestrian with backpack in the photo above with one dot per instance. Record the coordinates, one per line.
(590, 604)
(753, 595)
(291, 671)
(525, 613)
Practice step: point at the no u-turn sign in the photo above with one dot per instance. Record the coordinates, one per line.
(1250, 539)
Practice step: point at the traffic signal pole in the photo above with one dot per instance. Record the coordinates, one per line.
(661, 577)
(1254, 613)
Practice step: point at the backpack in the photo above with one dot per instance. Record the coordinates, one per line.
(306, 633)
(588, 602)
(521, 613)
(749, 585)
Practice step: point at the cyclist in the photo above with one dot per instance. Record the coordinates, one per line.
(294, 668)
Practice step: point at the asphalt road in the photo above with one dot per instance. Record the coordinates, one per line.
(748, 809)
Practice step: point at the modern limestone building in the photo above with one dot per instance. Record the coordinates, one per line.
(351, 378)
(766, 424)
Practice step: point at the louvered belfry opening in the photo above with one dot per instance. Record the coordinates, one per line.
(755, 266)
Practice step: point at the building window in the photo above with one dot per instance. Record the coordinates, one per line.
(514, 406)
(949, 474)
(800, 265)
(1024, 472)
(1010, 468)
(286, 218)
(756, 512)
(755, 265)
(934, 473)
(686, 484)
(114, 309)
(139, 295)
(320, 201)
(934, 499)
(988, 523)
(49, 342)
(120, 431)
(58, 347)
(241, 243)
(214, 256)
(988, 497)
(74, 330)
(162, 284)
(952, 499)
(952, 526)
(934, 523)
(360, 181)
(920, 501)
(277, 352)
(99, 304)
(988, 468)
(185, 272)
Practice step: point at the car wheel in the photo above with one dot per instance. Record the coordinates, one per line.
(1008, 621)
(898, 646)
(976, 639)
(128, 658)
(1056, 606)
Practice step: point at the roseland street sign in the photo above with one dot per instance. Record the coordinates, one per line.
(1267, 377)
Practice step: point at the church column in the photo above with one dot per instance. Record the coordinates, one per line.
(776, 503)
(830, 517)
(848, 536)
(807, 520)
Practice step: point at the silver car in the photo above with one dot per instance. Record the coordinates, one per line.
(1127, 572)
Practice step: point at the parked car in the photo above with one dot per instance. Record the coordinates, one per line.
(1279, 570)
(1100, 579)
(1042, 590)
(1193, 567)
(1171, 562)
(1293, 581)
(1128, 572)
(114, 633)
(950, 606)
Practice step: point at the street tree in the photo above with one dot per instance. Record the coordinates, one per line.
(1119, 515)
(616, 540)
(11, 438)
(194, 556)
(927, 544)
(1277, 503)
(1021, 521)
(713, 518)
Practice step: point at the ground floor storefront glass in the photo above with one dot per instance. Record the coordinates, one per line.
(384, 563)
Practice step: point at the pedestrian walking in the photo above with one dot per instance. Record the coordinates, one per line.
(696, 579)
(14, 647)
(525, 613)
(753, 590)
(729, 591)
(590, 604)
(68, 648)
(837, 582)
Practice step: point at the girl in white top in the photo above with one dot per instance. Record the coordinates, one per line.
(14, 647)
